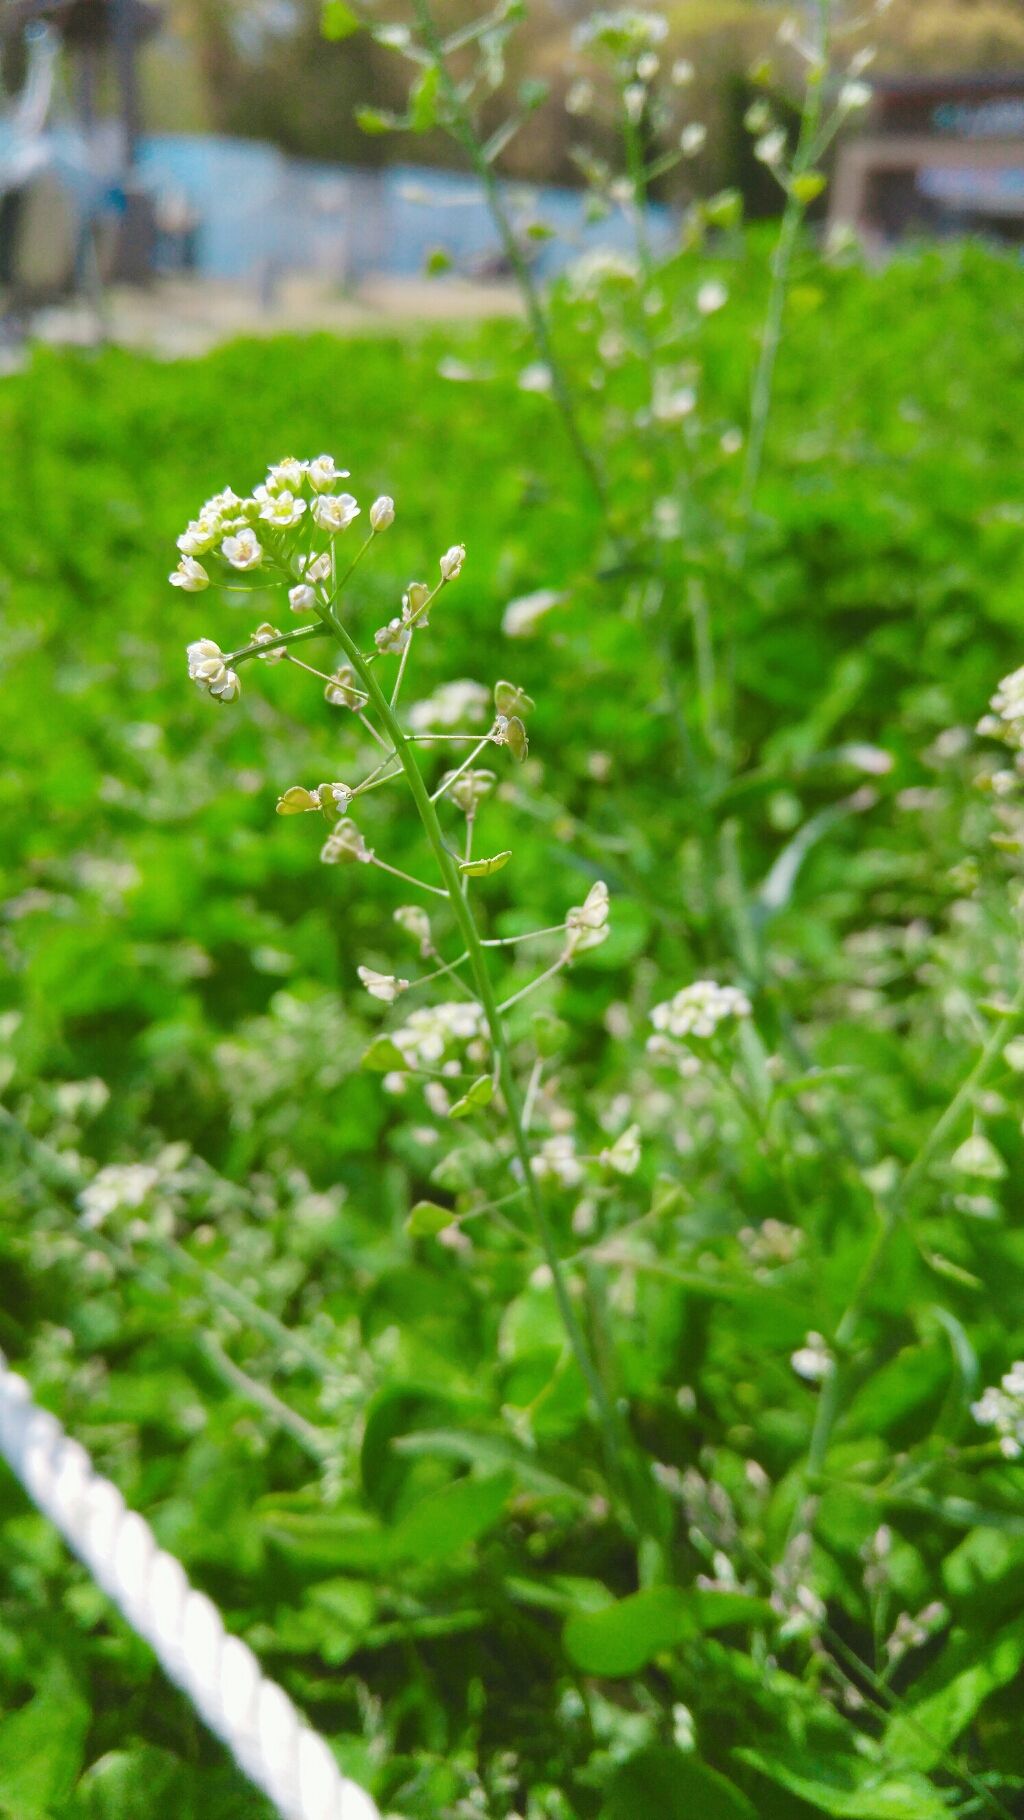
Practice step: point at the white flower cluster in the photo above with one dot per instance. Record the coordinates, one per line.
(698, 1010)
(297, 497)
(208, 670)
(432, 1029)
(1006, 721)
(629, 33)
(1002, 1407)
(118, 1186)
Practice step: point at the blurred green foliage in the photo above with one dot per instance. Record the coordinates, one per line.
(425, 1557)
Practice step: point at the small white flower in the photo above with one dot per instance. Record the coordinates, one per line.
(978, 1156)
(201, 652)
(454, 702)
(190, 575)
(382, 985)
(200, 536)
(118, 1186)
(634, 99)
(1002, 1407)
(314, 568)
(393, 638)
(267, 634)
(812, 1361)
(580, 98)
(227, 687)
(556, 1161)
(243, 551)
(323, 474)
(698, 1010)
(855, 95)
(647, 66)
(682, 72)
(382, 513)
(452, 561)
(301, 598)
(334, 512)
(770, 148)
(522, 617)
(712, 296)
(587, 923)
(286, 476)
(282, 510)
(693, 139)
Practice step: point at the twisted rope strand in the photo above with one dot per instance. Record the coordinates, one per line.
(219, 1673)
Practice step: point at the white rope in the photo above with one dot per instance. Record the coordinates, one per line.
(219, 1673)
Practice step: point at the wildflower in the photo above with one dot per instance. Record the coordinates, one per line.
(522, 616)
(342, 691)
(1007, 706)
(629, 32)
(119, 1185)
(322, 473)
(208, 671)
(431, 1029)
(223, 505)
(382, 513)
(243, 551)
(624, 1155)
(580, 98)
(1002, 1407)
(454, 702)
(383, 986)
(682, 72)
(854, 95)
(392, 638)
(978, 1156)
(712, 296)
(693, 139)
(812, 1361)
(452, 561)
(586, 924)
(282, 510)
(286, 476)
(698, 1010)
(556, 1161)
(265, 635)
(200, 536)
(414, 601)
(344, 845)
(316, 568)
(301, 598)
(415, 921)
(770, 148)
(334, 512)
(189, 575)
(647, 66)
(634, 100)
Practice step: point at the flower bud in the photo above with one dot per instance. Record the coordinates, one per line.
(265, 635)
(382, 985)
(344, 845)
(452, 561)
(301, 598)
(416, 923)
(382, 513)
(189, 575)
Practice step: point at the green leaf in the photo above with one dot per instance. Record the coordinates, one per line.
(848, 1787)
(41, 1749)
(482, 868)
(480, 1094)
(374, 121)
(672, 1785)
(337, 20)
(949, 1694)
(438, 260)
(427, 1219)
(623, 1638)
(423, 100)
(451, 1519)
(382, 1056)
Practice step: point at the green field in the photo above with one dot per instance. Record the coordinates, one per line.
(403, 1503)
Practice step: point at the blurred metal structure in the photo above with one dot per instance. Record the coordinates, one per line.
(940, 156)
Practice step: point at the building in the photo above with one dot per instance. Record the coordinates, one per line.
(939, 156)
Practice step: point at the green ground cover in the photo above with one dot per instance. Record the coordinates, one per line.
(404, 1509)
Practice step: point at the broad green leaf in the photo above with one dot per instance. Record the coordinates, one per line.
(949, 1694)
(427, 1219)
(660, 1783)
(850, 1788)
(383, 1056)
(623, 1638)
(41, 1748)
(449, 1520)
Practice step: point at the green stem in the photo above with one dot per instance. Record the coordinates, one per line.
(466, 136)
(610, 1424)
